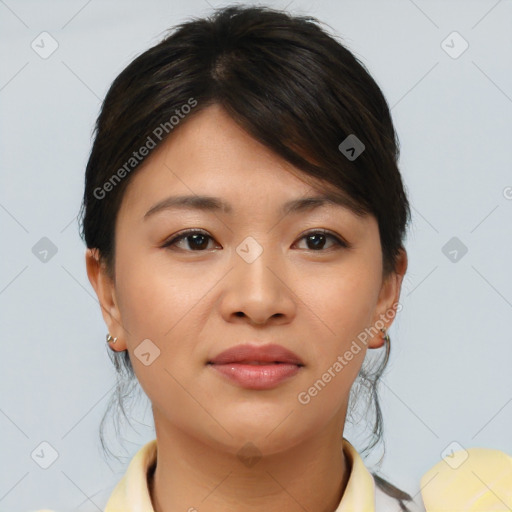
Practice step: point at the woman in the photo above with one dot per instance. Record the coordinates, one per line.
(244, 217)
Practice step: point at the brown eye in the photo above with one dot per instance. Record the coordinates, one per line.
(197, 240)
(316, 240)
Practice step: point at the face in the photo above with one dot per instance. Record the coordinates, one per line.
(309, 280)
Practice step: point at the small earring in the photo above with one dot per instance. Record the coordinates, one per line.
(110, 339)
(386, 336)
(387, 342)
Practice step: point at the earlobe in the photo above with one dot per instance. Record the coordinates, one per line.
(105, 291)
(379, 339)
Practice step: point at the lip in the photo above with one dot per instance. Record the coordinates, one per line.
(257, 366)
(270, 353)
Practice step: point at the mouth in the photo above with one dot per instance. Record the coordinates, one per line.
(256, 362)
(253, 363)
(257, 354)
(257, 367)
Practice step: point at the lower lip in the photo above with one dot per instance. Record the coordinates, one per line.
(252, 376)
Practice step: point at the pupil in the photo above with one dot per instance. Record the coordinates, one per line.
(196, 238)
(316, 245)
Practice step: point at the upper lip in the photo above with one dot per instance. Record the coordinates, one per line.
(270, 353)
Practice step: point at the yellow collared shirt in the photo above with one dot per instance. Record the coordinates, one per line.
(481, 483)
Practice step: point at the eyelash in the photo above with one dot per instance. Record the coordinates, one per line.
(340, 243)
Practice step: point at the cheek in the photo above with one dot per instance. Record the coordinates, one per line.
(152, 298)
(154, 306)
(344, 302)
(161, 304)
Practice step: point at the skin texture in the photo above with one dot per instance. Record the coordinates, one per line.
(193, 304)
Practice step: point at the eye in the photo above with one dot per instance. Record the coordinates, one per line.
(198, 239)
(317, 240)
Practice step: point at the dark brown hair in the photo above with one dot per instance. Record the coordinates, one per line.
(293, 87)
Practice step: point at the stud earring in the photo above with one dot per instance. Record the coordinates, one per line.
(110, 339)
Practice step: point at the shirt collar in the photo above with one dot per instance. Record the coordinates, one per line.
(131, 494)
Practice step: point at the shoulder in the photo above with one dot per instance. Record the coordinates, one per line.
(475, 479)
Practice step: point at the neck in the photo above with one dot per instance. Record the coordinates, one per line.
(193, 476)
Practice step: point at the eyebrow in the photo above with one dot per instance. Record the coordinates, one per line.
(210, 203)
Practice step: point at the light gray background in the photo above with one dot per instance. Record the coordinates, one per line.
(450, 374)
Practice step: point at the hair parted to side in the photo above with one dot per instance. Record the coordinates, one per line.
(293, 87)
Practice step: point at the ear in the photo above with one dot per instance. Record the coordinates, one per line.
(105, 290)
(389, 295)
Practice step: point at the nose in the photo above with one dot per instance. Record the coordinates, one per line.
(258, 291)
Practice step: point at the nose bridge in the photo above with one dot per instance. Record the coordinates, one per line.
(252, 260)
(256, 288)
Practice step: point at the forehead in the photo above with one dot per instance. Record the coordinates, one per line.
(211, 163)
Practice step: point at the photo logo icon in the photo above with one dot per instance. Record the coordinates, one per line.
(454, 45)
(44, 45)
(249, 249)
(351, 147)
(147, 352)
